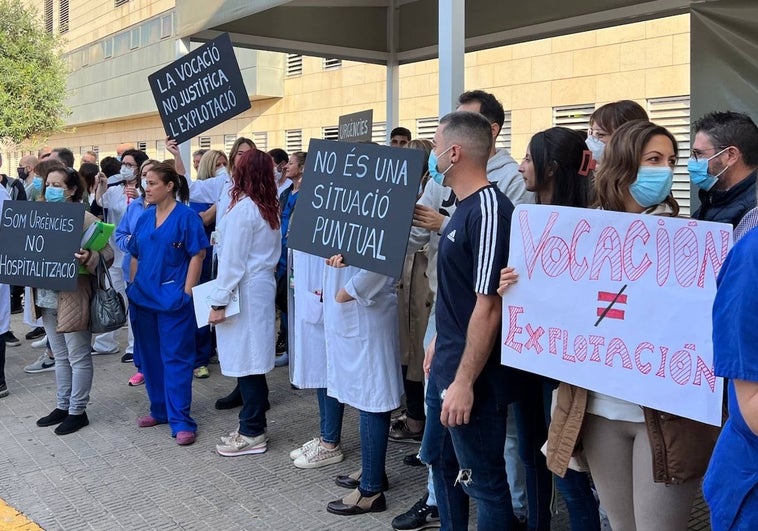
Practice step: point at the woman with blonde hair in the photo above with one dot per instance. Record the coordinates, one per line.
(211, 164)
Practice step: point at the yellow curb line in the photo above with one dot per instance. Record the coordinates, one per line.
(11, 519)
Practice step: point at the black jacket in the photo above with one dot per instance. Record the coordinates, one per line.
(14, 186)
(727, 206)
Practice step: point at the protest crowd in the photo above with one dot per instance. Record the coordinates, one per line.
(419, 356)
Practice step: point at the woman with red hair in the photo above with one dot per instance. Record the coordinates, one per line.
(248, 251)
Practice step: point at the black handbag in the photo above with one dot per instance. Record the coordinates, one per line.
(107, 311)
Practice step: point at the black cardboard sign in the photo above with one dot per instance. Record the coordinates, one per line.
(37, 244)
(357, 200)
(202, 89)
(356, 127)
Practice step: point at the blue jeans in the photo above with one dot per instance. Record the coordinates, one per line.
(375, 429)
(254, 391)
(533, 418)
(330, 411)
(468, 461)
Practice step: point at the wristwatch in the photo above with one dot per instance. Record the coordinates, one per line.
(213, 307)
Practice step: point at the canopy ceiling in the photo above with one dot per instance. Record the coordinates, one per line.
(371, 30)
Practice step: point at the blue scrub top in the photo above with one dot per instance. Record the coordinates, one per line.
(163, 255)
(731, 482)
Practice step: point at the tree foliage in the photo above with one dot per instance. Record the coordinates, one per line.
(32, 76)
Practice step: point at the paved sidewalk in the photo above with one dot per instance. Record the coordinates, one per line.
(112, 475)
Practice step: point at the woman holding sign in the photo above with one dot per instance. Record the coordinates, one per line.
(65, 316)
(646, 464)
(167, 247)
(557, 168)
(248, 249)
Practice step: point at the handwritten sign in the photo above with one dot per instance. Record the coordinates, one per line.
(357, 200)
(617, 303)
(202, 89)
(37, 244)
(356, 127)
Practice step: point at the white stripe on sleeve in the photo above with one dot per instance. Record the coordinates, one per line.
(487, 240)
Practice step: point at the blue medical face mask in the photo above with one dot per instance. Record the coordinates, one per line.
(54, 195)
(597, 147)
(432, 166)
(37, 182)
(652, 186)
(698, 169)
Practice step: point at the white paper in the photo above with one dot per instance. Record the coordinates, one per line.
(617, 303)
(201, 298)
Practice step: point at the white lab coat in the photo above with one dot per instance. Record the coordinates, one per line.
(248, 253)
(362, 345)
(307, 346)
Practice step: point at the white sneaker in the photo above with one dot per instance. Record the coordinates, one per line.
(318, 456)
(40, 343)
(236, 444)
(294, 454)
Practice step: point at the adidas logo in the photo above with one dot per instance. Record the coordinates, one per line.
(451, 236)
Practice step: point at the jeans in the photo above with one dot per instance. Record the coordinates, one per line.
(330, 412)
(73, 364)
(533, 418)
(254, 391)
(514, 467)
(467, 460)
(375, 429)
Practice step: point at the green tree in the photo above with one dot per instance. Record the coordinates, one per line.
(32, 76)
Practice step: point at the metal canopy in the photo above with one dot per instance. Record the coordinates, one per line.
(384, 31)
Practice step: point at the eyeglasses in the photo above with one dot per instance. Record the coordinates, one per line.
(597, 133)
(129, 165)
(698, 153)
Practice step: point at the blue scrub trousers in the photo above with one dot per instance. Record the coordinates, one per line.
(166, 343)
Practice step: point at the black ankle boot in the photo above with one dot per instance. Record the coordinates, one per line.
(55, 417)
(72, 423)
(230, 401)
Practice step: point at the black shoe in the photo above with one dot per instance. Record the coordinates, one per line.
(353, 481)
(56, 417)
(35, 334)
(356, 503)
(72, 423)
(127, 358)
(281, 343)
(10, 339)
(230, 401)
(420, 516)
(412, 460)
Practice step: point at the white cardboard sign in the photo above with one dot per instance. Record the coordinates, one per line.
(617, 303)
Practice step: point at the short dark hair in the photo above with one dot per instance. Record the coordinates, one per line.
(489, 106)
(72, 180)
(728, 128)
(471, 128)
(612, 115)
(110, 166)
(66, 156)
(138, 155)
(401, 131)
(199, 152)
(279, 155)
(88, 172)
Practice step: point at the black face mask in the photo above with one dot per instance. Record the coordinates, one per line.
(22, 173)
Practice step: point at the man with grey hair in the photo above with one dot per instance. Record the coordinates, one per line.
(468, 389)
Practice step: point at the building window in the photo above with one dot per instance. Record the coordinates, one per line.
(294, 64)
(204, 142)
(229, 142)
(575, 117)
(49, 16)
(673, 113)
(261, 140)
(332, 64)
(107, 46)
(63, 17)
(503, 140)
(293, 140)
(142, 145)
(167, 26)
(118, 3)
(160, 150)
(425, 128)
(330, 133)
(379, 133)
(134, 38)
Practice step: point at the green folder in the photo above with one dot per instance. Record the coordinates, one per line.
(97, 235)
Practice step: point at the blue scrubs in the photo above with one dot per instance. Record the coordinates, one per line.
(162, 314)
(731, 482)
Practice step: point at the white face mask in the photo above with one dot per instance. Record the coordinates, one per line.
(127, 173)
(221, 171)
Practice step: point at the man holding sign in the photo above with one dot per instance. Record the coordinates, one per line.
(467, 393)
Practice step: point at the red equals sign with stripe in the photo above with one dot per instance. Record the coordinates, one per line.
(608, 310)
